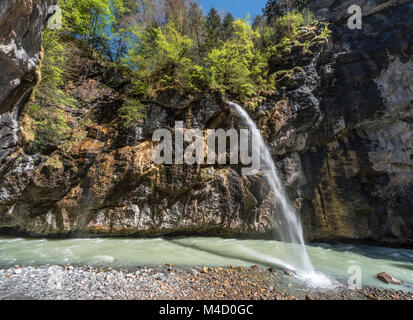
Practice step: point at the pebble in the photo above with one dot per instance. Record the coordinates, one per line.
(95, 283)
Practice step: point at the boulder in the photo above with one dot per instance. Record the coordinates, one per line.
(385, 277)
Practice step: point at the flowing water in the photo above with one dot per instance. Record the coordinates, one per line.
(287, 223)
(333, 261)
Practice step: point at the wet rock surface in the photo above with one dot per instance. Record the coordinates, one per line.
(103, 180)
(387, 278)
(167, 283)
(344, 143)
(21, 26)
(340, 131)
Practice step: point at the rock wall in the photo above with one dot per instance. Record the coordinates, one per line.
(21, 26)
(347, 149)
(106, 183)
(340, 130)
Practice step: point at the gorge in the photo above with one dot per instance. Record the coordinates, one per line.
(341, 130)
(338, 126)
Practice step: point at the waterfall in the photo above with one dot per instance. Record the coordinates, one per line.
(287, 223)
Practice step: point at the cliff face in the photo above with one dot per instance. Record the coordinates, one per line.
(103, 181)
(347, 148)
(21, 25)
(340, 130)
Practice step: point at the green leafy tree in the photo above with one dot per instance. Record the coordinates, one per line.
(230, 66)
(89, 19)
(287, 26)
(267, 34)
(196, 22)
(132, 112)
(163, 59)
(49, 124)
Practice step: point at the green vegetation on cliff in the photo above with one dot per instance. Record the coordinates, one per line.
(48, 120)
(158, 45)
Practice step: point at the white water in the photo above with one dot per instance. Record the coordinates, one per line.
(287, 223)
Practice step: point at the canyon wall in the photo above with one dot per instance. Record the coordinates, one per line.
(346, 150)
(339, 128)
(21, 26)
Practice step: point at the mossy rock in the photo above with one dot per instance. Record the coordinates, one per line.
(290, 79)
(317, 43)
(306, 35)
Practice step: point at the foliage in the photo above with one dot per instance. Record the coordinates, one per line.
(163, 59)
(164, 44)
(172, 44)
(213, 25)
(230, 67)
(49, 123)
(50, 128)
(287, 26)
(227, 27)
(54, 62)
(277, 8)
(132, 112)
(326, 32)
(89, 19)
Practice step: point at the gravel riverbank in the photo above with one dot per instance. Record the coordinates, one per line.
(168, 283)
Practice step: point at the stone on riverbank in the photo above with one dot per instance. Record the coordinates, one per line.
(385, 277)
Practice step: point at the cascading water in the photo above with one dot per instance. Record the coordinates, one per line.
(287, 223)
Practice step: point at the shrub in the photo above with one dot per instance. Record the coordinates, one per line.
(287, 26)
(163, 59)
(132, 112)
(50, 128)
(49, 124)
(231, 67)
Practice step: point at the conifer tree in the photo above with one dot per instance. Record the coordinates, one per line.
(227, 28)
(213, 26)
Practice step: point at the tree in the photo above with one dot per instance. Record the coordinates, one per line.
(163, 59)
(48, 123)
(266, 31)
(89, 19)
(132, 112)
(287, 26)
(277, 8)
(213, 26)
(229, 66)
(259, 22)
(227, 27)
(195, 23)
(121, 32)
(176, 12)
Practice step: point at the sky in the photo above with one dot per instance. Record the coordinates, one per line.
(239, 8)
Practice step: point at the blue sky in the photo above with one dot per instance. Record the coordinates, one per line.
(239, 8)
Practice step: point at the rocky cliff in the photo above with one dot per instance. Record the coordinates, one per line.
(346, 149)
(340, 130)
(21, 25)
(103, 180)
